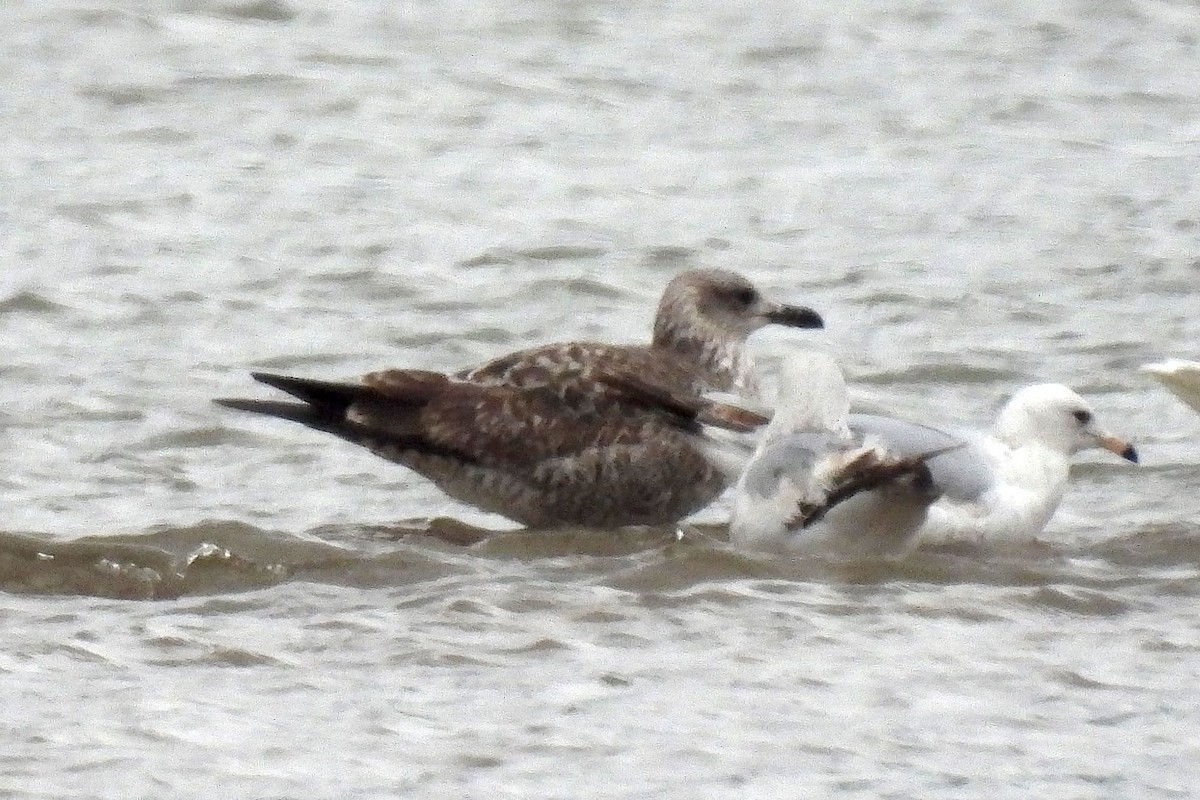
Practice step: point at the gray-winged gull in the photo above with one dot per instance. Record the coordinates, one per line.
(534, 436)
(816, 486)
(1006, 483)
(986, 486)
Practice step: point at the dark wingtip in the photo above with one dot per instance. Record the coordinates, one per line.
(297, 412)
(796, 317)
(235, 403)
(1130, 454)
(270, 379)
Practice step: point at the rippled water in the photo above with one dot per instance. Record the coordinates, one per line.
(197, 604)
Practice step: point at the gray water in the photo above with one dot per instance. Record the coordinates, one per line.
(196, 604)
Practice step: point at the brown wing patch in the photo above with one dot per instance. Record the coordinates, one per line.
(684, 408)
(570, 369)
(498, 425)
(507, 427)
(734, 418)
(866, 471)
(406, 384)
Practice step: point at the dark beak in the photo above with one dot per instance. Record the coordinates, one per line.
(795, 317)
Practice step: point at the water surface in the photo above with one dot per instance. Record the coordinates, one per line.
(976, 196)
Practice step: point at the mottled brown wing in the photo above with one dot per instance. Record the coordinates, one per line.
(499, 426)
(686, 410)
(569, 369)
(405, 384)
(389, 404)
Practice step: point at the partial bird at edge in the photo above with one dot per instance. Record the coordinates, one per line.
(1180, 377)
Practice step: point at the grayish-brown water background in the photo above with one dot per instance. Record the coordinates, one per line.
(196, 604)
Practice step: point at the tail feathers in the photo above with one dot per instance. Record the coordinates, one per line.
(383, 412)
(311, 415)
(327, 395)
(389, 443)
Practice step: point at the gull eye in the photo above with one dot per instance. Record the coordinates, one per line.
(1081, 416)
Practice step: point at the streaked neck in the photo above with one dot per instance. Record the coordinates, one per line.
(722, 359)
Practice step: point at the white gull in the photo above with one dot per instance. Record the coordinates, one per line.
(1004, 484)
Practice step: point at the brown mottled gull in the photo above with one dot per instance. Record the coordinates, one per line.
(536, 437)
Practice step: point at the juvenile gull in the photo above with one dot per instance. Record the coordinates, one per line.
(535, 437)
(1182, 378)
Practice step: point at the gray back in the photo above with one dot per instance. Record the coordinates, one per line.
(963, 474)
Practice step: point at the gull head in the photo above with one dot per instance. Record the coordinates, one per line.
(1055, 417)
(715, 304)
